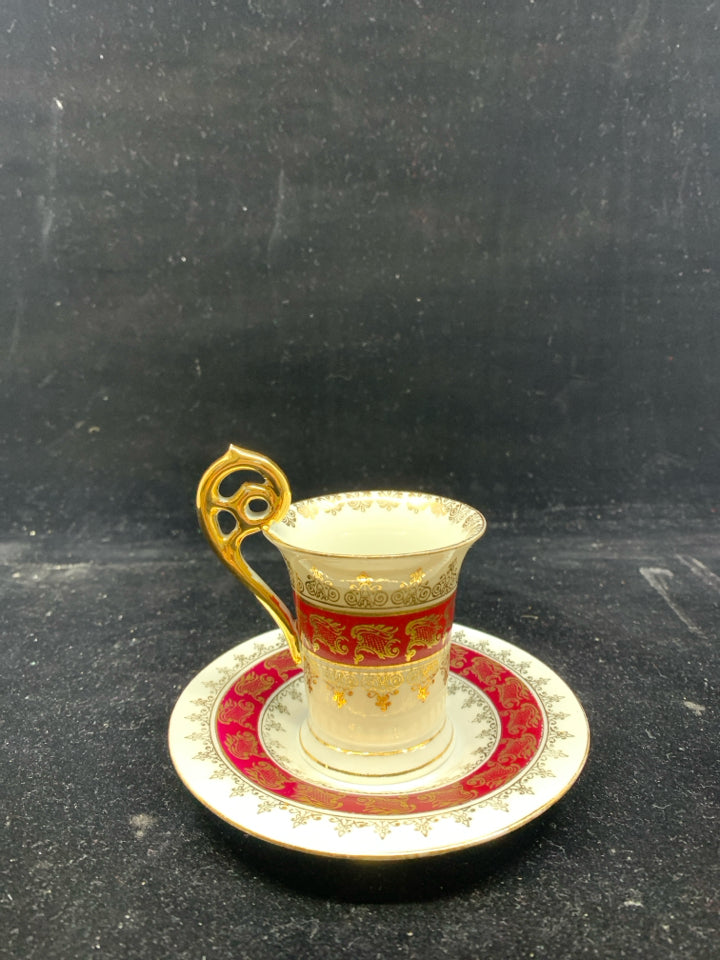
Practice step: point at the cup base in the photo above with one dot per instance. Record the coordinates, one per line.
(410, 761)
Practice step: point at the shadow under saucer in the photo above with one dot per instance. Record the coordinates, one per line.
(377, 881)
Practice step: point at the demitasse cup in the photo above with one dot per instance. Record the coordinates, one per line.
(374, 576)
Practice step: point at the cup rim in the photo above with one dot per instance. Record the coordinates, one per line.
(270, 529)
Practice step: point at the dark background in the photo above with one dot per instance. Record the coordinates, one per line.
(465, 247)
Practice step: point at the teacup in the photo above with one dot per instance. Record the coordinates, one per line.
(374, 577)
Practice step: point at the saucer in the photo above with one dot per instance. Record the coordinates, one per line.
(521, 740)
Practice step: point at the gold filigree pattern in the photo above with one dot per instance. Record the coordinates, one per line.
(425, 632)
(329, 633)
(376, 639)
(318, 586)
(341, 677)
(253, 685)
(416, 590)
(365, 593)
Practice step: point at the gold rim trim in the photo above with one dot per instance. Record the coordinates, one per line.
(370, 755)
(402, 496)
(368, 613)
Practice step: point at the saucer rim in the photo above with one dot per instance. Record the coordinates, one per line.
(423, 847)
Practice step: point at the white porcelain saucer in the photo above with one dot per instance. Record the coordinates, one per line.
(521, 740)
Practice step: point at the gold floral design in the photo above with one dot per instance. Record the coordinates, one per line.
(457, 513)
(447, 582)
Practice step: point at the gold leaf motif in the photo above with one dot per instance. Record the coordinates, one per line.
(382, 700)
(340, 697)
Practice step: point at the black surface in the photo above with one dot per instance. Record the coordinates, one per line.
(467, 248)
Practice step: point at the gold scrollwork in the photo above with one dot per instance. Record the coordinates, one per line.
(365, 592)
(329, 633)
(377, 639)
(361, 505)
(318, 586)
(424, 632)
(447, 582)
(417, 590)
(414, 590)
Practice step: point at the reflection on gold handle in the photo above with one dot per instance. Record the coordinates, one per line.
(274, 495)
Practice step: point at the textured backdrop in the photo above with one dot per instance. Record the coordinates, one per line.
(465, 247)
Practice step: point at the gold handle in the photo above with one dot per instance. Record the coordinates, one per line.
(274, 492)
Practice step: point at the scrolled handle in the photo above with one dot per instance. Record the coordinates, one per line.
(274, 493)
